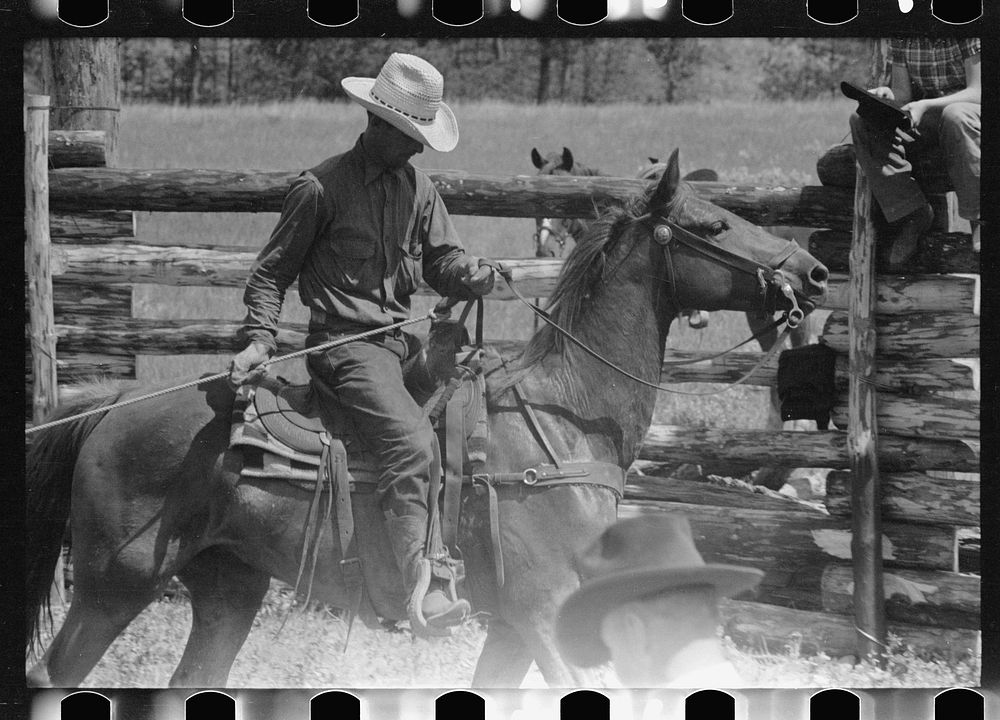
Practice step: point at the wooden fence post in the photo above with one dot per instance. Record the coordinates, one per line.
(36, 226)
(45, 388)
(862, 435)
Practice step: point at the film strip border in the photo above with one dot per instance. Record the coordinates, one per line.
(509, 705)
(500, 16)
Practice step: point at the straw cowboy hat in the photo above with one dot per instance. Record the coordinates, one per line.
(407, 94)
(636, 559)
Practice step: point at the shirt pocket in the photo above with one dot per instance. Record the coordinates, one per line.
(411, 265)
(354, 255)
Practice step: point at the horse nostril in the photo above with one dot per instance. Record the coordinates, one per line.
(819, 276)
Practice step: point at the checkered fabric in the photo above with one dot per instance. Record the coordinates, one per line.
(936, 65)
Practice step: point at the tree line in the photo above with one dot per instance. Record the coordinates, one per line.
(195, 71)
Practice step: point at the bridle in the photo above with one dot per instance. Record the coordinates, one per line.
(771, 281)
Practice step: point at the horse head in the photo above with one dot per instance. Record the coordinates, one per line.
(714, 260)
(551, 234)
(553, 163)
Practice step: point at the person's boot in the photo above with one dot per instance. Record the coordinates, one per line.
(908, 233)
(433, 605)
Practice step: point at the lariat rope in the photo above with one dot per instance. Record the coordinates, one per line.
(220, 376)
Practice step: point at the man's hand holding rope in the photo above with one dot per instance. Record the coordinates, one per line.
(245, 367)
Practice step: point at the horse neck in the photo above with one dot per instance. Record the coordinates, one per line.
(626, 323)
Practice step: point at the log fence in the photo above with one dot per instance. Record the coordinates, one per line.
(921, 336)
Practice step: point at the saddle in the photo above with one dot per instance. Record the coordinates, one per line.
(282, 437)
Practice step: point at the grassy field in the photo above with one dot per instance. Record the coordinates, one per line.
(775, 144)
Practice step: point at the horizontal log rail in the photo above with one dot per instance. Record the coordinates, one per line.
(919, 416)
(942, 253)
(535, 277)
(921, 597)
(914, 377)
(229, 267)
(913, 497)
(917, 335)
(794, 541)
(901, 295)
(823, 449)
(77, 148)
(92, 227)
(464, 193)
(777, 630)
(97, 301)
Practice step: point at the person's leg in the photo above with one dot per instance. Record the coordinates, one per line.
(882, 157)
(366, 380)
(959, 133)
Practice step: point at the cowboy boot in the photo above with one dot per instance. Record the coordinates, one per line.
(433, 605)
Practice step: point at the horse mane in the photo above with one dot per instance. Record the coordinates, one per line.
(584, 270)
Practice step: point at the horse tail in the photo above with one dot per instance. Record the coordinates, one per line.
(49, 465)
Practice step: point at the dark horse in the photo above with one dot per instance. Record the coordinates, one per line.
(151, 490)
(552, 234)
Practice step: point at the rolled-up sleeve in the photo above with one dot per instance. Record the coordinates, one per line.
(445, 260)
(970, 47)
(303, 213)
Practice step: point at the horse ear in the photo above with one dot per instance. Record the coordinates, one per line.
(567, 163)
(536, 158)
(669, 182)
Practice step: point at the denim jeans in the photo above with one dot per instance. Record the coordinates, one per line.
(952, 133)
(363, 380)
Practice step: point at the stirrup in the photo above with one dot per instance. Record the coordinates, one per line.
(414, 606)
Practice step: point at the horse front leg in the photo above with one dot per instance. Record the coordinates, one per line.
(505, 658)
(225, 596)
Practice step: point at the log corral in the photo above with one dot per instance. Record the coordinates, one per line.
(920, 332)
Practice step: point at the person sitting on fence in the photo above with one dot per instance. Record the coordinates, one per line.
(359, 231)
(648, 602)
(937, 81)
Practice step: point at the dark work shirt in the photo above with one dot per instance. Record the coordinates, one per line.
(359, 237)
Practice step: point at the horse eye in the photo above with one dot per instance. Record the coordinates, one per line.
(719, 227)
